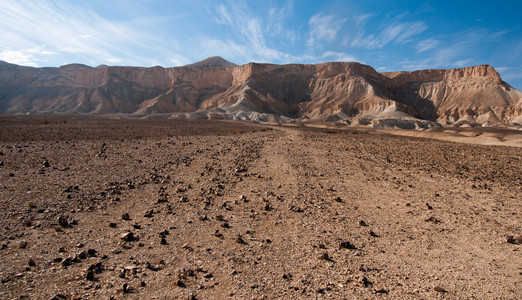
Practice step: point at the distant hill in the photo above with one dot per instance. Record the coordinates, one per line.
(212, 62)
(214, 88)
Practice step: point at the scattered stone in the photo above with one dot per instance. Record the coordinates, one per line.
(125, 216)
(347, 245)
(31, 263)
(63, 221)
(79, 245)
(181, 284)
(61, 250)
(128, 237)
(429, 206)
(113, 225)
(220, 218)
(296, 209)
(46, 164)
(338, 199)
(364, 281)
(91, 252)
(439, 289)
(149, 213)
(136, 226)
(90, 275)
(163, 241)
(433, 220)
(514, 240)
(362, 223)
(324, 256)
(371, 233)
(243, 198)
(122, 273)
(240, 240)
(125, 288)
(22, 245)
(380, 289)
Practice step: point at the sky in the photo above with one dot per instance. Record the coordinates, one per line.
(387, 35)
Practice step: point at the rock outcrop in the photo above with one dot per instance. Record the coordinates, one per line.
(214, 88)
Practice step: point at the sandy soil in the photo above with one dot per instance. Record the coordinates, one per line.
(100, 209)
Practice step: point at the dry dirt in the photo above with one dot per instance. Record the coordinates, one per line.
(242, 211)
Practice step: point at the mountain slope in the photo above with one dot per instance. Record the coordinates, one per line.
(216, 88)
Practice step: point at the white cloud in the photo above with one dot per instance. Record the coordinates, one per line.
(65, 27)
(339, 56)
(25, 57)
(323, 28)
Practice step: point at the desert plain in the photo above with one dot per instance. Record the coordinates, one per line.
(101, 208)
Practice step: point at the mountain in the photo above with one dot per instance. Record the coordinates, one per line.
(345, 92)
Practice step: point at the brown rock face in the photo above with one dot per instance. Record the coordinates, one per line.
(215, 88)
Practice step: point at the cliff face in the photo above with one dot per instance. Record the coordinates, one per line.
(216, 88)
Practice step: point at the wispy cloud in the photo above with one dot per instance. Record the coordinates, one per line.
(248, 28)
(428, 44)
(323, 28)
(395, 33)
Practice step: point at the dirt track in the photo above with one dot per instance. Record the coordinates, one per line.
(235, 210)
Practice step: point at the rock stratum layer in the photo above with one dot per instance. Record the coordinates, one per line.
(346, 92)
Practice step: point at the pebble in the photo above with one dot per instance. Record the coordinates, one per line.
(439, 289)
(125, 216)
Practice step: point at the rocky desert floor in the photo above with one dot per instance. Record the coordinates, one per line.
(162, 209)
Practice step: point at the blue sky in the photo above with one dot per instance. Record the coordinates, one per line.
(388, 35)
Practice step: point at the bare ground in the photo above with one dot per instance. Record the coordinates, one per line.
(237, 210)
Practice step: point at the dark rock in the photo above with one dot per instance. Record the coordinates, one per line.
(324, 256)
(46, 164)
(433, 220)
(23, 245)
(181, 284)
(514, 240)
(113, 225)
(240, 240)
(362, 223)
(90, 275)
(149, 213)
(347, 245)
(128, 237)
(63, 221)
(31, 262)
(125, 216)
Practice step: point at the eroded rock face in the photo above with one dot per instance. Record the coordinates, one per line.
(215, 88)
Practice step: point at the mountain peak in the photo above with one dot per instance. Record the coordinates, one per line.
(212, 62)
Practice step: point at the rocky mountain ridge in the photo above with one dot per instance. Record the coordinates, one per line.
(344, 92)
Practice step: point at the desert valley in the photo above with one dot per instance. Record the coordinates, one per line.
(259, 181)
